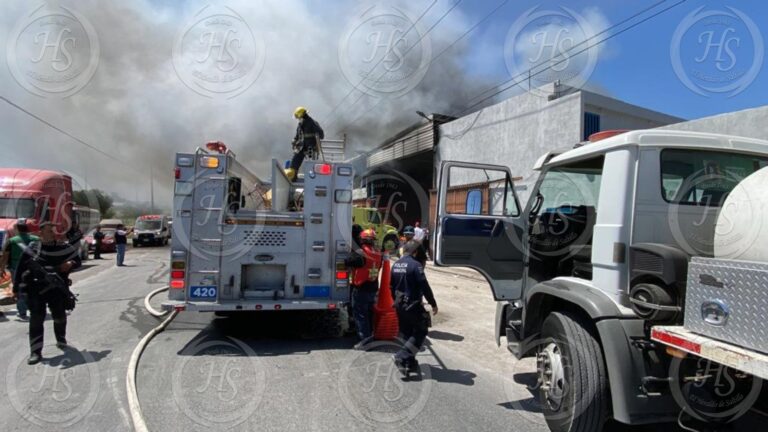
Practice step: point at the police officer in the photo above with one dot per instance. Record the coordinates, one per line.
(98, 238)
(12, 254)
(366, 263)
(306, 142)
(43, 274)
(421, 253)
(409, 286)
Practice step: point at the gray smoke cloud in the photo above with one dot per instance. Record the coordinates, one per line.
(138, 109)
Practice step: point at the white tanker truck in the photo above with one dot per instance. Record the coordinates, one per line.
(637, 274)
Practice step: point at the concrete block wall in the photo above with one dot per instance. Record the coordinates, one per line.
(750, 123)
(513, 133)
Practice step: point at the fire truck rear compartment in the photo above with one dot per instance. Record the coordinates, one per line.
(263, 281)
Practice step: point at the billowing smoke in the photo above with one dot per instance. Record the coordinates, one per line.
(141, 107)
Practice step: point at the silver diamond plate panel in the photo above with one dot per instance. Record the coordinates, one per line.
(742, 288)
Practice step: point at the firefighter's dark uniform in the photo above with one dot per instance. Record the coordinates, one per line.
(308, 136)
(409, 286)
(41, 294)
(366, 264)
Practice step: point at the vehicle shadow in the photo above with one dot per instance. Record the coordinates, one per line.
(267, 334)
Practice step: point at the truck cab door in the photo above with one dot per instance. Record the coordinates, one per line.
(479, 225)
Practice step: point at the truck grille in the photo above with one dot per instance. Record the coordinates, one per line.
(265, 238)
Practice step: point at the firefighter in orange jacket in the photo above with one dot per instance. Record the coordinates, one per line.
(366, 263)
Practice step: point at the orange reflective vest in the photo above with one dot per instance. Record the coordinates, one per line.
(369, 272)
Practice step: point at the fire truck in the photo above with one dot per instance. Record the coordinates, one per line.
(243, 244)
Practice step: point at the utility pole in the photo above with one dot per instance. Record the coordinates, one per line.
(152, 190)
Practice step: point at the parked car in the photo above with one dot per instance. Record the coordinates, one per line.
(107, 243)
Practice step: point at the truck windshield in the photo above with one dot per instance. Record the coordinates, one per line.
(14, 208)
(698, 177)
(148, 225)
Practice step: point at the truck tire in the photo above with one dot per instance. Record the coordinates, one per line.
(573, 384)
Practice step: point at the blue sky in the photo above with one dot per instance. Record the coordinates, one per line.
(636, 66)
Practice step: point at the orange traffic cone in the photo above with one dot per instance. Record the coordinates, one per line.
(385, 325)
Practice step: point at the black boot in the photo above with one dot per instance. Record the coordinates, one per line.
(34, 358)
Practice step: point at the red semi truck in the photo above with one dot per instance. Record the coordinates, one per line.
(40, 195)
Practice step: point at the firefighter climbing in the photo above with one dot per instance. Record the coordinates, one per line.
(306, 143)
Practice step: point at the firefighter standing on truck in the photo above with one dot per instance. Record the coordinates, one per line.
(409, 286)
(306, 142)
(366, 264)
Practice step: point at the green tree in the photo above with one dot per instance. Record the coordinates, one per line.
(95, 198)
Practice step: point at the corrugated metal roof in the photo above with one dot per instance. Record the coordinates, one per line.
(419, 140)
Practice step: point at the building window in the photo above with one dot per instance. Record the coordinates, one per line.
(591, 124)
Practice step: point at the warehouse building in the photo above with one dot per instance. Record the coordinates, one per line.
(398, 177)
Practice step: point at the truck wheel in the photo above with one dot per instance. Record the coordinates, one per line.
(573, 385)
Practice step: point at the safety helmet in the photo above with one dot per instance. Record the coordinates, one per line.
(368, 235)
(299, 112)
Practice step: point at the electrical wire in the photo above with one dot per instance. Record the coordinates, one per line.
(386, 54)
(435, 24)
(62, 131)
(528, 74)
(452, 44)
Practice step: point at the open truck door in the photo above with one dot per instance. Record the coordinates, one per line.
(479, 225)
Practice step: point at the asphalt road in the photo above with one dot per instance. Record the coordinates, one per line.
(268, 372)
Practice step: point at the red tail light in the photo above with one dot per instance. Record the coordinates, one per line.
(278, 307)
(331, 306)
(323, 169)
(177, 274)
(177, 284)
(177, 173)
(342, 275)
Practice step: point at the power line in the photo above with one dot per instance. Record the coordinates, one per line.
(607, 29)
(384, 57)
(470, 30)
(405, 54)
(62, 131)
(528, 74)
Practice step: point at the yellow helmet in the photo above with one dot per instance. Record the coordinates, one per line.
(299, 112)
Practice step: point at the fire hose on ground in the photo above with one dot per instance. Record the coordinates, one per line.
(137, 417)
